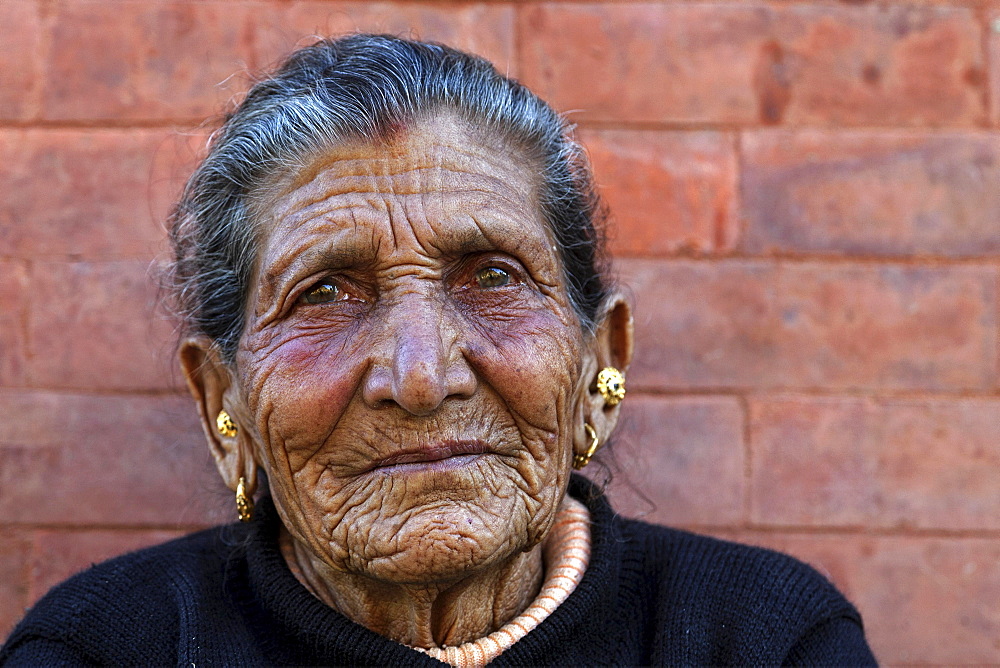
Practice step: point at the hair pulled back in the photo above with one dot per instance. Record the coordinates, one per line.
(360, 87)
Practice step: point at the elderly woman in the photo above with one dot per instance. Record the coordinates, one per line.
(389, 267)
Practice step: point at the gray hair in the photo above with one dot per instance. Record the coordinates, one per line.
(361, 87)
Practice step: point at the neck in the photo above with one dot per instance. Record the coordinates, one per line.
(425, 615)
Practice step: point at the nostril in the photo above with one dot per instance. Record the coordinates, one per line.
(377, 390)
(461, 380)
(418, 364)
(414, 377)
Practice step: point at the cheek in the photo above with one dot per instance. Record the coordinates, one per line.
(298, 389)
(534, 365)
(534, 368)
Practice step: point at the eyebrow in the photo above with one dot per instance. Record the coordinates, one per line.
(467, 239)
(468, 232)
(332, 256)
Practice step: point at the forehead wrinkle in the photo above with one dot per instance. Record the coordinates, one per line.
(402, 160)
(402, 178)
(452, 182)
(429, 219)
(510, 236)
(413, 223)
(291, 239)
(301, 202)
(471, 167)
(433, 188)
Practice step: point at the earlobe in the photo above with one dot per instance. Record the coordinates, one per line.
(209, 381)
(611, 355)
(604, 375)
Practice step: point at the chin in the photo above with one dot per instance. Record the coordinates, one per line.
(444, 541)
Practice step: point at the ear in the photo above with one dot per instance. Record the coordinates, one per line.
(611, 345)
(210, 381)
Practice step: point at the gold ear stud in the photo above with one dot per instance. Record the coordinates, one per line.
(611, 385)
(225, 425)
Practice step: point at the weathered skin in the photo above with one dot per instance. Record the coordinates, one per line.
(411, 377)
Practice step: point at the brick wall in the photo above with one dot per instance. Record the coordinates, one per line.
(808, 217)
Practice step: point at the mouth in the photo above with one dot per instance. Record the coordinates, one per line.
(450, 454)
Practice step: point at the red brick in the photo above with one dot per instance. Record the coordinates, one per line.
(885, 65)
(642, 62)
(681, 460)
(876, 462)
(167, 59)
(755, 324)
(96, 325)
(19, 54)
(484, 29)
(144, 60)
(84, 460)
(757, 63)
(667, 192)
(60, 554)
(85, 194)
(993, 48)
(930, 601)
(28, 418)
(13, 321)
(871, 193)
(15, 551)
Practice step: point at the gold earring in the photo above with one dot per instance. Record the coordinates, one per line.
(244, 503)
(611, 385)
(225, 425)
(579, 461)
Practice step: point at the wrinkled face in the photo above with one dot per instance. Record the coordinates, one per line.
(411, 360)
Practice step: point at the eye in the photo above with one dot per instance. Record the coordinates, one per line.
(492, 277)
(322, 293)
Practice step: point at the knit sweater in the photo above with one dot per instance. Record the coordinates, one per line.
(650, 596)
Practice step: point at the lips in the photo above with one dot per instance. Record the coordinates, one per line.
(432, 453)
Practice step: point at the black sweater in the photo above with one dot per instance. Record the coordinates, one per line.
(650, 596)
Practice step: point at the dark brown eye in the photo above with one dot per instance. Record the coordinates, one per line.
(322, 293)
(492, 277)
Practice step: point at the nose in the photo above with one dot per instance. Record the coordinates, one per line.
(417, 361)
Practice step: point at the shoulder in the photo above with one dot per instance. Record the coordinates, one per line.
(707, 564)
(735, 576)
(733, 597)
(108, 612)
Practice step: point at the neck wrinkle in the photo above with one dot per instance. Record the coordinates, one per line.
(566, 551)
(431, 616)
